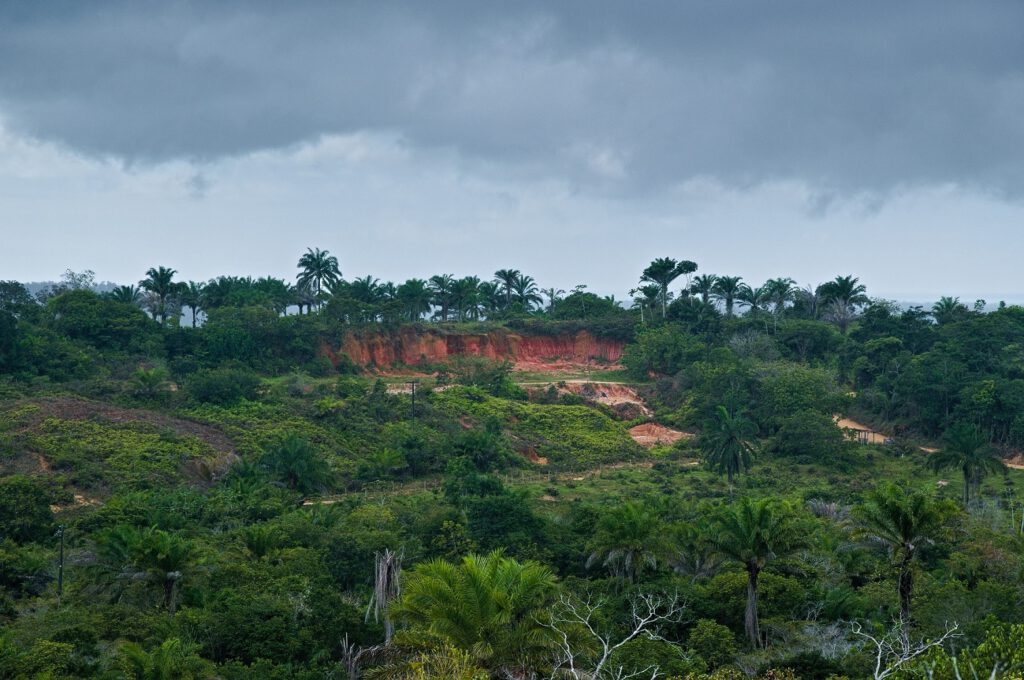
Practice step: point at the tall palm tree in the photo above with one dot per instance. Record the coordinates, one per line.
(900, 522)
(663, 271)
(367, 290)
(489, 606)
(465, 298)
(948, 309)
(754, 533)
(968, 450)
(647, 298)
(414, 295)
(192, 297)
(129, 295)
(554, 295)
(506, 278)
(704, 286)
(318, 269)
(441, 289)
(304, 297)
(628, 539)
(159, 282)
(754, 299)
(726, 289)
(491, 299)
(727, 442)
(525, 292)
(779, 291)
(847, 289)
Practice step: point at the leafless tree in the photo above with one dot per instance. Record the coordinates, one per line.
(386, 587)
(894, 649)
(585, 648)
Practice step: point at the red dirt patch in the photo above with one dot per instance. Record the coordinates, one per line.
(652, 434)
(531, 454)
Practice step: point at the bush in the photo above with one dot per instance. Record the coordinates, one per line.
(222, 385)
(25, 513)
(809, 436)
(713, 642)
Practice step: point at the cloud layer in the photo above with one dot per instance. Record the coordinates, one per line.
(614, 97)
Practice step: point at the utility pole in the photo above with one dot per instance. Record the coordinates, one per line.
(412, 386)
(60, 566)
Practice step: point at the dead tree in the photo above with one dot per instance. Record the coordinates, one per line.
(574, 618)
(894, 649)
(387, 587)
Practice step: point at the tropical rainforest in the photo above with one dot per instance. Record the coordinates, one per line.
(755, 481)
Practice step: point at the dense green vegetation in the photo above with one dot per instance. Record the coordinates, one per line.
(207, 496)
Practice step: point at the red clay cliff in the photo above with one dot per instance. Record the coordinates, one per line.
(415, 346)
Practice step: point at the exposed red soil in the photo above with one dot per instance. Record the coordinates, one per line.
(415, 346)
(531, 454)
(861, 433)
(652, 434)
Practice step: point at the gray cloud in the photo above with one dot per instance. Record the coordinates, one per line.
(619, 97)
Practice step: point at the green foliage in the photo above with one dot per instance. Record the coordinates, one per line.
(662, 350)
(294, 461)
(133, 455)
(712, 642)
(222, 386)
(488, 606)
(25, 513)
(810, 436)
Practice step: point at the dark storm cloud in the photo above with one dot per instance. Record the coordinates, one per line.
(846, 96)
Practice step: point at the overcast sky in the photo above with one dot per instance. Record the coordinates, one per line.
(575, 141)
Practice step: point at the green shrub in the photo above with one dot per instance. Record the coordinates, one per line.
(25, 513)
(222, 385)
(713, 642)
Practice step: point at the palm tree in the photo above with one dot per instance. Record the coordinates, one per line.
(726, 289)
(367, 290)
(127, 555)
(754, 299)
(129, 295)
(465, 298)
(847, 289)
(968, 450)
(491, 299)
(754, 533)
(159, 282)
(901, 522)
(318, 268)
(628, 540)
(779, 292)
(192, 297)
(948, 309)
(294, 460)
(663, 271)
(554, 295)
(704, 286)
(525, 292)
(303, 297)
(172, 659)
(726, 442)
(647, 299)
(414, 295)
(441, 288)
(693, 552)
(489, 606)
(506, 278)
